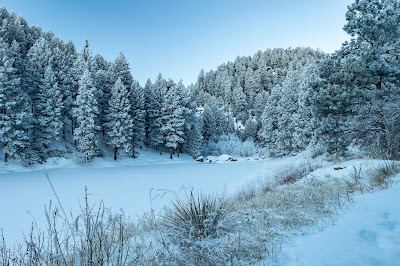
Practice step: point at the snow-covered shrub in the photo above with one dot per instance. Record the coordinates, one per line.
(197, 216)
(230, 144)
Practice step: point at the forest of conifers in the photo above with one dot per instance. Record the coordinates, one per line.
(56, 101)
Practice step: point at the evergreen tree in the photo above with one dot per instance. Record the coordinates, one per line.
(120, 69)
(138, 113)
(172, 120)
(158, 92)
(14, 119)
(209, 124)
(120, 121)
(147, 105)
(49, 110)
(250, 129)
(103, 82)
(86, 111)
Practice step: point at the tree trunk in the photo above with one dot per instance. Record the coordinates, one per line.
(6, 157)
(171, 151)
(133, 151)
(115, 153)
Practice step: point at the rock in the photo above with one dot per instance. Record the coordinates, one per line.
(338, 168)
(224, 157)
(200, 159)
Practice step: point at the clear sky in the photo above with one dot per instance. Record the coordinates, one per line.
(180, 37)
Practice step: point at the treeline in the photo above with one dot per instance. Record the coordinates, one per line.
(51, 95)
(281, 100)
(289, 100)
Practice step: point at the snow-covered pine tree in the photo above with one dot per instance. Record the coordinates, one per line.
(49, 110)
(120, 122)
(14, 118)
(287, 112)
(331, 109)
(252, 85)
(103, 82)
(259, 104)
(372, 58)
(83, 61)
(192, 131)
(269, 120)
(68, 85)
(36, 62)
(158, 92)
(209, 124)
(86, 111)
(250, 129)
(172, 120)
(147, 105)
(120, 69)
(239, 102)
(138, 113)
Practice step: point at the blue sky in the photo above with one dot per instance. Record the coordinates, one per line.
(180, 37)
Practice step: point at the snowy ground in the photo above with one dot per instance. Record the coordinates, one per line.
(124, 184)
(366, 234)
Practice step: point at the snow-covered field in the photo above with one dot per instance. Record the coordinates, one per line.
(123, 184)
(368, 233)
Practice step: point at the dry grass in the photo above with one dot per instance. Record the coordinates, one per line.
(197, 216)
(200, 229)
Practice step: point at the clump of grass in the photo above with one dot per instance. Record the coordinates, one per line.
(94, 237)
(291, 174)
(246, 194)
(381, 176)
(355, 183)
(197, 216)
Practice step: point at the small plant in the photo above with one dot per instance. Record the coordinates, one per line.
(246, 194)
(197, 216)
(381, 176)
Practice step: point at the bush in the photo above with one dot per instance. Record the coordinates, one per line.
(381, 176)
(197, 216)
(230, 144)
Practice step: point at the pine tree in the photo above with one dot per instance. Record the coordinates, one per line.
(250, 129)
(138, 113)
(69, 85)
(269, 120)
(83, 61)
(103, 82)
(331, 109)
(158, 92)
(239, 102)
(49, 110)
(147, 105)
(209, 124)
(252, 85)
(86, 111)
(14, 118)
(120, 121)
(172, 120)
(120, 69)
